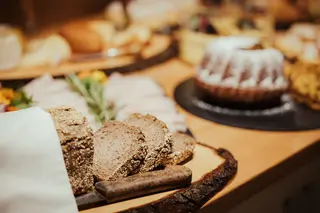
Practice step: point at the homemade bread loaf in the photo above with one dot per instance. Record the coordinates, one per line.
(87, 37)
(119, 150)
(182, 148)
(97, 35)
(158, 138)
(77, 147)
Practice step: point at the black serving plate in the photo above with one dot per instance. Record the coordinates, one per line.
(286, 116)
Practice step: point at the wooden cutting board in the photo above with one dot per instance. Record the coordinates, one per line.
(205, 161)
(158, 44)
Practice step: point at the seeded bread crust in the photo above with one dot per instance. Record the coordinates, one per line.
(77, 147)
(124, 158)
(182, 149)
(158, 150)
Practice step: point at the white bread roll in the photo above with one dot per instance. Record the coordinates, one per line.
(51, 50)
(10, 47)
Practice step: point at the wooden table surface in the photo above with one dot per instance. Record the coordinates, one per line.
(264, 157)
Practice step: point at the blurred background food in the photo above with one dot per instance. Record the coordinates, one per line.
(255, 59)
(40, 34)
(305, 84)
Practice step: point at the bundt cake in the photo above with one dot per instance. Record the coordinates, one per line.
(237, 69)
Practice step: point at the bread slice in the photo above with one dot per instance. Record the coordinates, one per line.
(182, 149)
(158, 138)
(119, 150)
(76, 140)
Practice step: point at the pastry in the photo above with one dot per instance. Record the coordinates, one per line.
(305, 83)
(51, 50)
(300, 43)
(238, 69)
(87, 36)
(11, 47)
(163, 13)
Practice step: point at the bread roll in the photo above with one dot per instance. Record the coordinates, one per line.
(10, 47)
(98, 35)
(81, 37)
(51, 50)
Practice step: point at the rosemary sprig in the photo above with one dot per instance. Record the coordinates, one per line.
(21, 100)
(92, 92)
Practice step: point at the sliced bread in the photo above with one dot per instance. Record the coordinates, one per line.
(182, 148)
(158, 137)
(119, 150)
(76, 140)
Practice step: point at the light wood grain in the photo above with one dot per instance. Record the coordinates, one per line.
(258, 152)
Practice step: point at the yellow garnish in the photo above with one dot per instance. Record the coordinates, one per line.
(4, 100)
(99, 76)
(95, 74)
(7, 93)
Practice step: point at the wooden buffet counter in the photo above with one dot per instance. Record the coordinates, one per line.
(264, 157)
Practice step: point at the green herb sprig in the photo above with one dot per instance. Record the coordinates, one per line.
(92, 92)
(21, 100)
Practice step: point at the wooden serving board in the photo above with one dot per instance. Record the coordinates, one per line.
(157, 45)
(210, 167)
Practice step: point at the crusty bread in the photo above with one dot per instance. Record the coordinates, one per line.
(81, 37)
(76, 140)
(90, 36)
(158, 138)
(119, 150)
(182, 148)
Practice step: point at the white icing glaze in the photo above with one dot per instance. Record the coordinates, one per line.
(230, 56)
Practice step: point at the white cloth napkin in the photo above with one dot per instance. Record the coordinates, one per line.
(33, 177)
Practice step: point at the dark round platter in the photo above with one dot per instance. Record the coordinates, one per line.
(287, 116)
